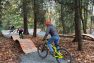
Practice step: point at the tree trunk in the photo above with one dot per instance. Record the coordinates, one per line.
(35, 20)
(40, 14)
(91, 20)
(25, 18)
(62, 20)
(85, 18)
(78, 37)
(91, 26)
(0, 18)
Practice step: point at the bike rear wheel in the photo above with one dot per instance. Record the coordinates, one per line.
(42, 51)
(67, 58)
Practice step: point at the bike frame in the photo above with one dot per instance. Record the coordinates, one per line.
(59, 55)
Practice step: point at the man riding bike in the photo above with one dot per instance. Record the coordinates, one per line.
(54, 36)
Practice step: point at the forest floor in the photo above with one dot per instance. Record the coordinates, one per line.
(9, 52)
(84, 56)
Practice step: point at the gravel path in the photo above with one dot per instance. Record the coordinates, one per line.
(34, 58)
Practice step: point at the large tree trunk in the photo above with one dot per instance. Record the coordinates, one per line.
(35, 26)
(35, 19)
(78, 24)
(25, 17)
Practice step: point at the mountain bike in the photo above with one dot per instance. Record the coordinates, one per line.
(60, 54)
(11, 31)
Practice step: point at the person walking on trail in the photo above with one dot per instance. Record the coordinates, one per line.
(54, 36)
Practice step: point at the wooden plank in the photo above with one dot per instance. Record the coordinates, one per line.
(15, 37)
(26, 44)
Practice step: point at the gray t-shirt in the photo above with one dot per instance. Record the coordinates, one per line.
(51, 30)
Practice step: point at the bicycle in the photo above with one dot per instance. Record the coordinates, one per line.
(11, 31)
(59, 55)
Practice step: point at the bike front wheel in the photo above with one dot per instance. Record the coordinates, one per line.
(66, 56)
(42, 51)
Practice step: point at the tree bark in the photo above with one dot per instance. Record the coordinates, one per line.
(78, 37)
(35, 20)
(0, 17)
(91, 20)
(62, 20)
(83, 19)
(25, 19)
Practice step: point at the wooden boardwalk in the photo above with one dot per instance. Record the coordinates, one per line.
(26, 44)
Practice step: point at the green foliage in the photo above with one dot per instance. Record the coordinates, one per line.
(12, 13)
